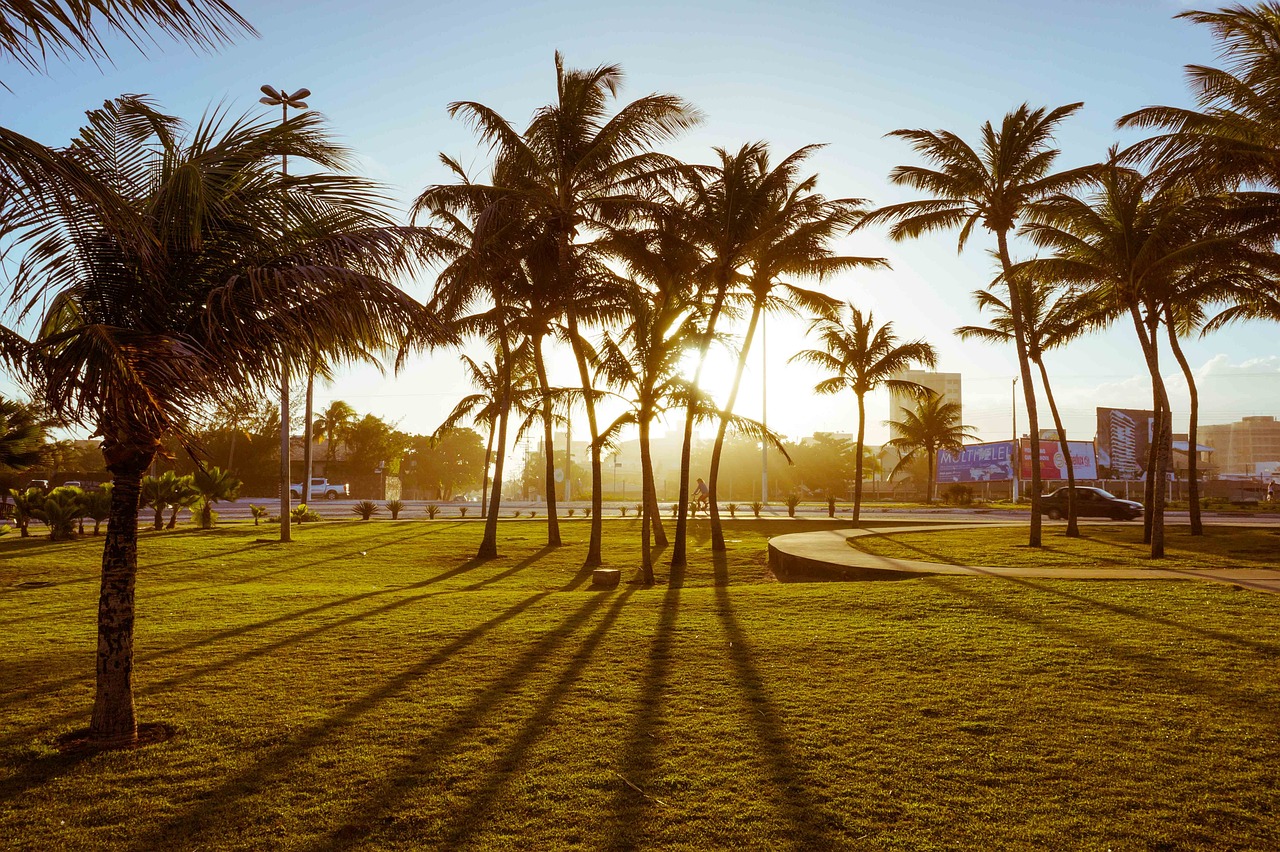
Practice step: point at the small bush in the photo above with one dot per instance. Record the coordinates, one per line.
(259, 514)
(462, 511)
(958, 495)
(675, 510)
(756, 507)
(831, 506)
(793, 500)
(432, 511)
(623, 510)
(301, 514)
(586, 513)
(733, 510)
(639, 510)
(570, 513)
(366, 509)
(395, 507)
(533, 514)
(516, 514)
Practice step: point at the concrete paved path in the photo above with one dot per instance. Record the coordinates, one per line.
(827, 555)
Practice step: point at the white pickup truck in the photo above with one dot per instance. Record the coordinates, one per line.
(321, 488)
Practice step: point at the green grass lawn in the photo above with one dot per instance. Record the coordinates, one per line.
(369, 686)
(1099, 546)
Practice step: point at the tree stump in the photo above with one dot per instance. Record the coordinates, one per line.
(605, 578)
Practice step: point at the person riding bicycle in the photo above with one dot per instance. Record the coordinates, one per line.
(701, 497)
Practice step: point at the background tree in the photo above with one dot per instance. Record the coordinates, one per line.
(214, 485)
(934, 425)
(863, 358)
(22, 442)
(333, 424)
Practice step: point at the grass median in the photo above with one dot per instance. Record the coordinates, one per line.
(1099, 546)
(369, 686)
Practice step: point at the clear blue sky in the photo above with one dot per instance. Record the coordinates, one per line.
(839, 73)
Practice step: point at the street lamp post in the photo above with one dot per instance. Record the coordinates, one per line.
(1017, 451)
(275, 97)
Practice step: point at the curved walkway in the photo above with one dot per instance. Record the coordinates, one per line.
(826, 555)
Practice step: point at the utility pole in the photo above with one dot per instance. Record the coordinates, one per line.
(1017, 451)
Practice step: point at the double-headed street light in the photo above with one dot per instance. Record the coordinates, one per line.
(278, 98)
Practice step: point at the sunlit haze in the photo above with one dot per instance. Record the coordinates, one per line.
(840, 73)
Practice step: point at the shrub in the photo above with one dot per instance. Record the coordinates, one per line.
(958, 495)
(586, 513)
(395, 507)
(675, 510)
(462, 511)
(793, 500)
(60, 510)
(639, 510)
(733, 510)
(301, 514)
(756, 507)
(259, 512)
(533, 514)
(831, 506)
(432, 510)
(623, 510)
(366, 509)
(570, 513)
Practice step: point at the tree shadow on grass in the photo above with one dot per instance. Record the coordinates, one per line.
(39, 771)
(1149, 665)
(638, 764)
(374, 810)
(293, 639)
(808, 823)
(540, 553)
(220, 806)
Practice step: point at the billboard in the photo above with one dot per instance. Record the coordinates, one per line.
(977, 463)
(1052, 463)
(1123, 441)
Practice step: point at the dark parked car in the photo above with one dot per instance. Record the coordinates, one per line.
(1090, 503)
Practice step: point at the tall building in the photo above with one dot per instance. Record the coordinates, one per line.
(945, 384)
(1240, 447)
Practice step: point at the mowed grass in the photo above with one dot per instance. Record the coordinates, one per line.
(1099, 546)
(370, 687)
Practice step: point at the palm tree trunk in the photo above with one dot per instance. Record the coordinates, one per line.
(1193, 482)
(717, 533)
(857, 465)
(489, 544)
(1073, 526)
(114, 723)
(553, 523)
(484, 480)
(678, 555)
(594, 558)
(649, 492)
(649, 510)
(1028, 389)
(1154, 521)
(159, 516)
(928, 488)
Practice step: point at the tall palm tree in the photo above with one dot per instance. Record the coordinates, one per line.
(1049, 322)
(798, 229)
(934, 425)
(1131, 240)
(197, 285)
(572, 175)
(996, 186)
(863, 358)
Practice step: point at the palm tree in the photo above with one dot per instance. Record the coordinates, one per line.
(996, 186)
(1234, 136)
(214, 485)
(863, 358)
(96, 506)
(180, 281)
(1132, 240)
(571, 176)
(933, 426)
(22, 436)
(1049, 323)
(332, 426)
(797, 230)
(32, 31)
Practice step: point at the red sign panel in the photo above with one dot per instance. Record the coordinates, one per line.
(1054, 466)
